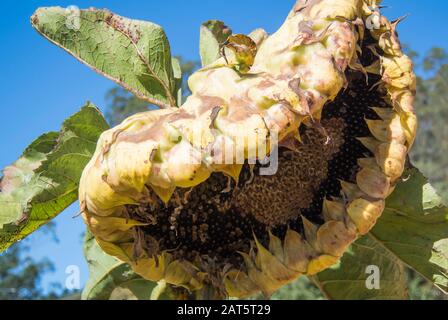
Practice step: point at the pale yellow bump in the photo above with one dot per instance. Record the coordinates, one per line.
(364, 213)
(372, 181)
(96, 194)
(321, 74)
(391, 157)
(410, 123)
(272, 55)
(387, 131)
(281, 118)
(198, 130)
(216, 80)
(405, 100)
(248, 133)
(334, 238)
(265, 97)
(128, 165)
(185, 167)
(170, 138)
(341, 41)
(159, 176)
(398, 72)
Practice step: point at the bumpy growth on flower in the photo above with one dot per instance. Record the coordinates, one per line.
(330, 94)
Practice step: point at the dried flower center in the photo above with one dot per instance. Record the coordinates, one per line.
(276, 199)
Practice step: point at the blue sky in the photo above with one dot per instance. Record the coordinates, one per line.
(40, 85)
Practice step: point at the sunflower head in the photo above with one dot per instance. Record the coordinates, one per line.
(273, 166)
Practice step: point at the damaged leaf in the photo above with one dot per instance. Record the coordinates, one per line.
(135, 54)
(354, 277)
(44, 180)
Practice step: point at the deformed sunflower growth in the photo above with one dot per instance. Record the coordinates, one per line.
(186, 196)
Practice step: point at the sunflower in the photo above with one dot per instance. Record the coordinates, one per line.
(282, 156)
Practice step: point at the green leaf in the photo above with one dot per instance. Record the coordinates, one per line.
(212, 35)
(177, 73)
(111, 279)
(412, 231)
(135, 54)
(414, 228)
(44, 181)
(349, 279)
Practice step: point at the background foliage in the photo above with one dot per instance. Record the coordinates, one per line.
(431, 147)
